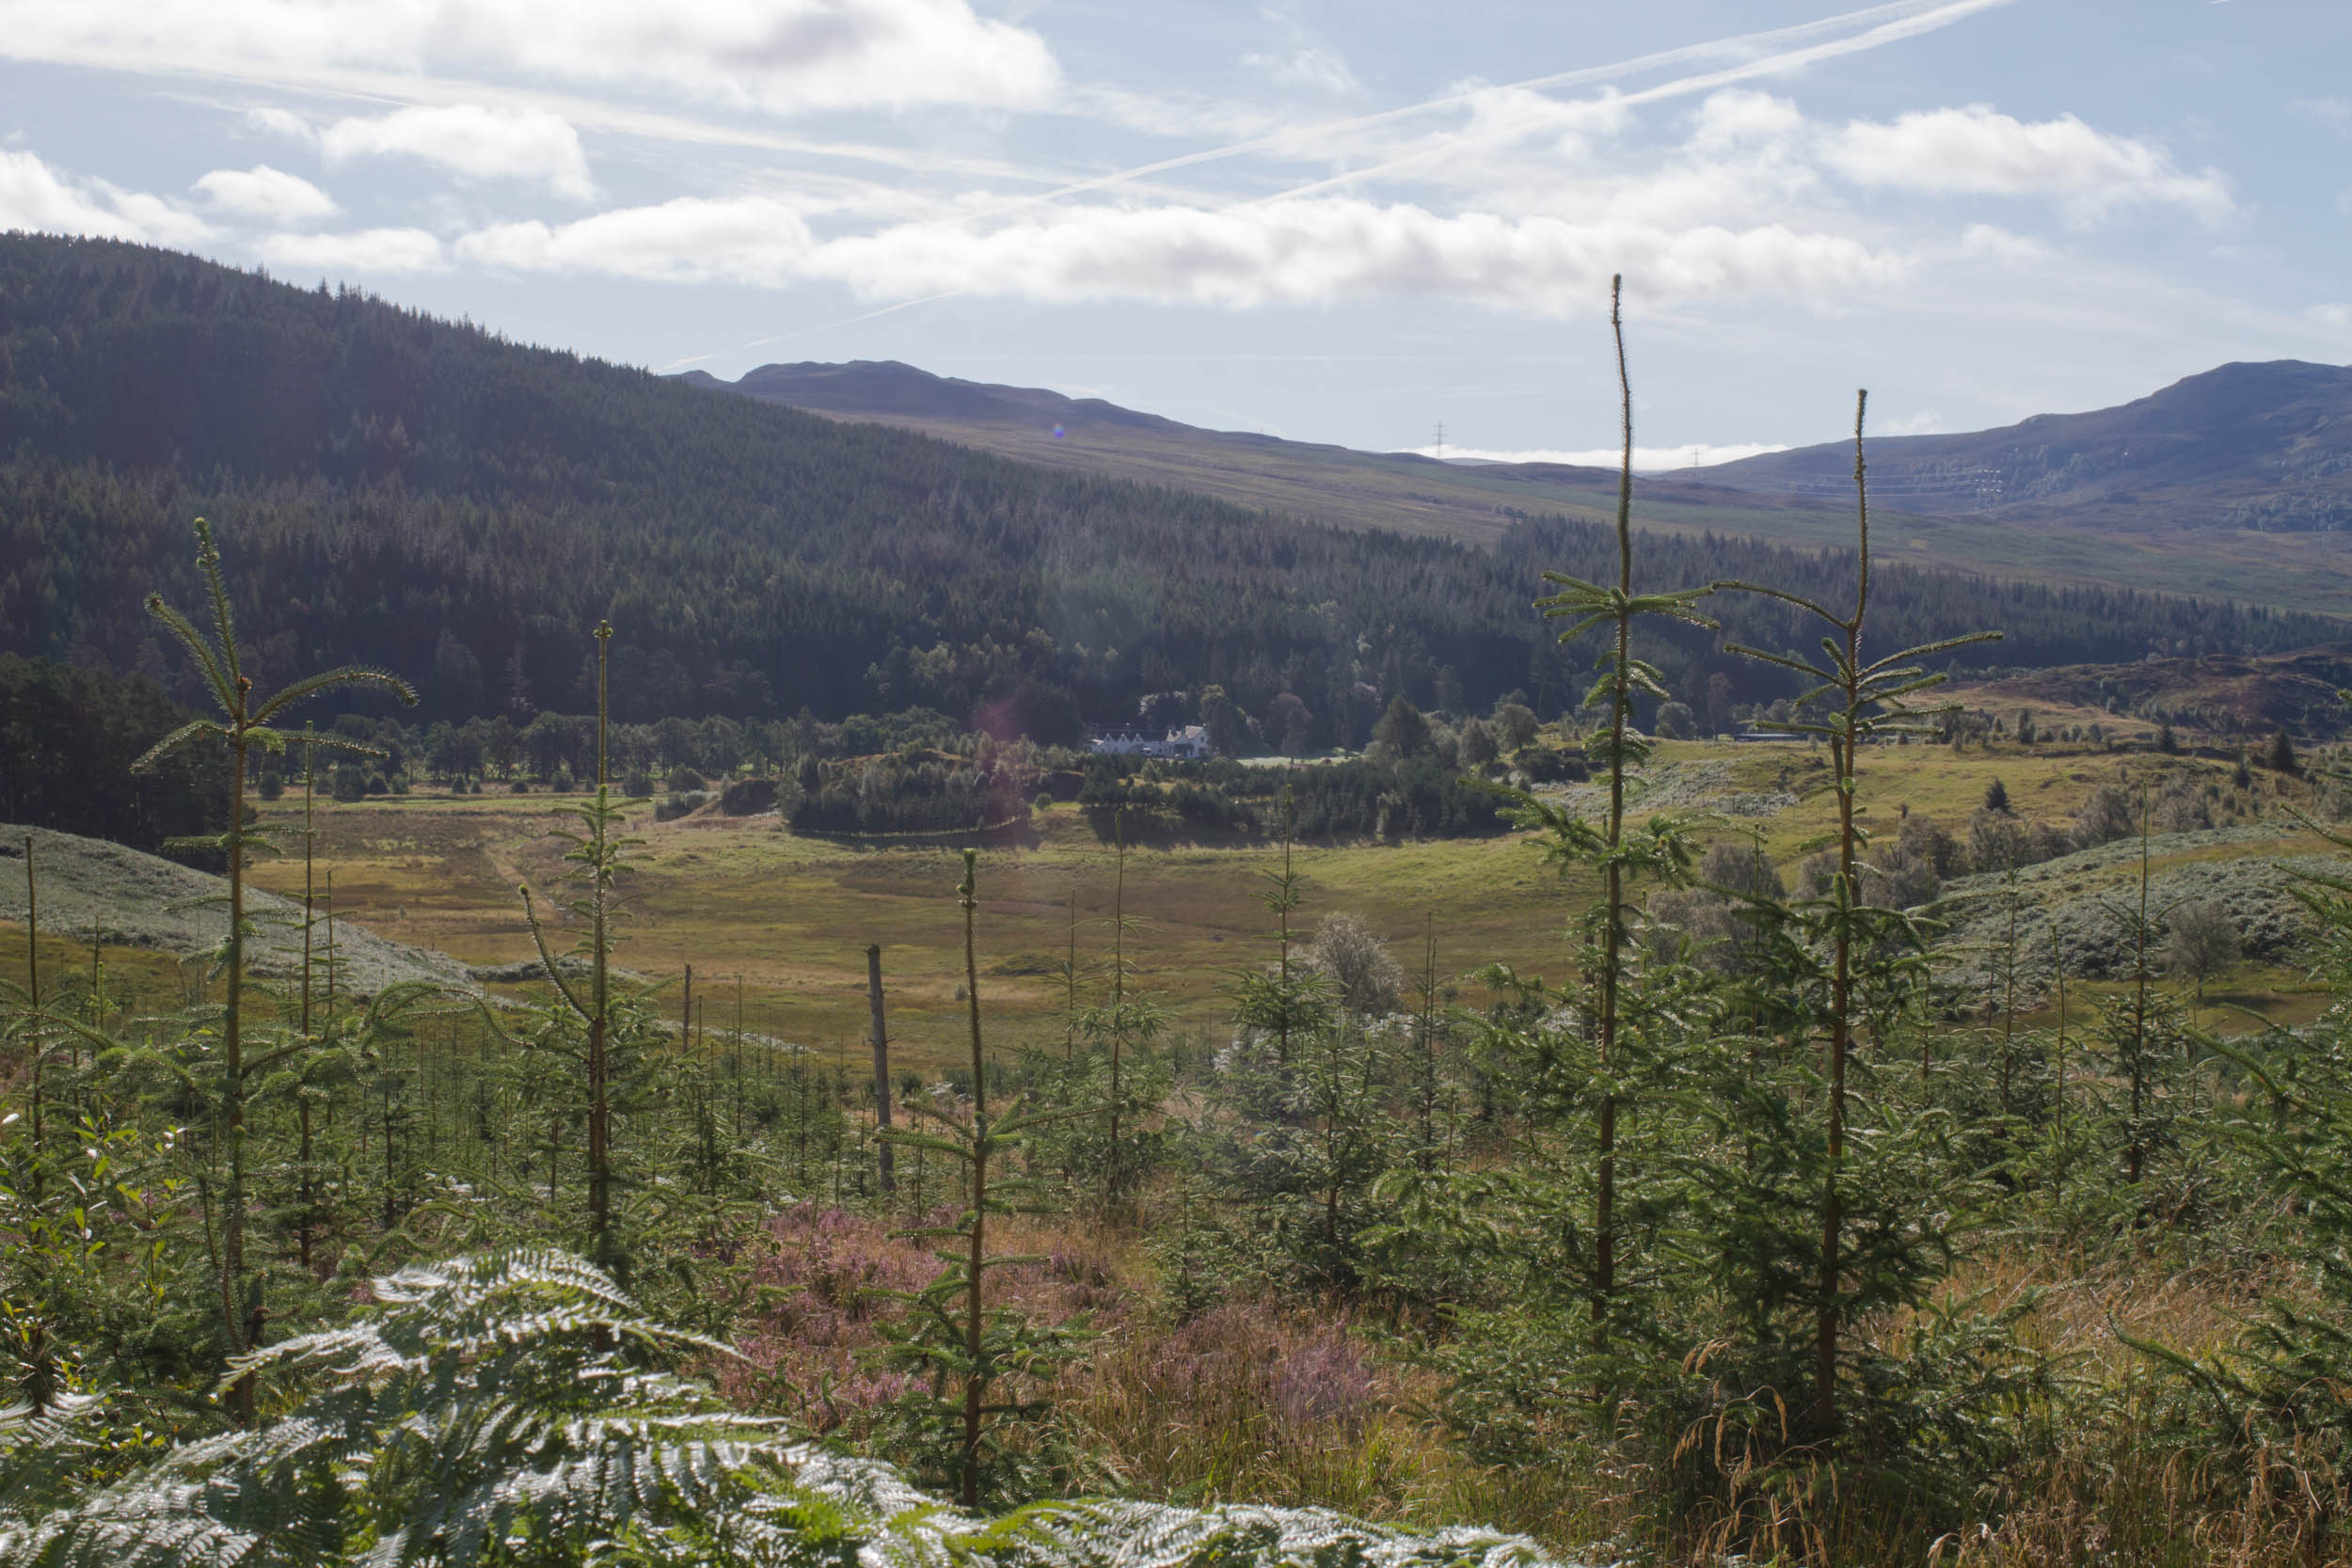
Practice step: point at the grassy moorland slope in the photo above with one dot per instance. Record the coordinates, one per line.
(2225, 482)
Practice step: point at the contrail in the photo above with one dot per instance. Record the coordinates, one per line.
(1903, 19)
(1889, 32)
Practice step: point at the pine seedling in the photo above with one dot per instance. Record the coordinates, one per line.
(1865, 698)
(976, 1363)
(1127, 1020)
(1288, 1004)
(597, 857)
(246, 723)
(1426, 1035)
(1661, 849)
(37, 1039)
(2140, 1031)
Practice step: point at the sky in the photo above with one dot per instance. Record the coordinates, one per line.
(1355, 223)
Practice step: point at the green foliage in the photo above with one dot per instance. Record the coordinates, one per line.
(2281, 758)
(924, 794)
(975, 1364)
(245, 724)
(511, 1408)
(2281, 1388)
(68, 737)
(1687, 1233)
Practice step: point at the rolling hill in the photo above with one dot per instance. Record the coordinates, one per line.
(1404, 491)
(2235, 481)
(425, 495)
(2246, 447)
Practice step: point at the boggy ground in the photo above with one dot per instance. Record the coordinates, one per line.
(789, 918)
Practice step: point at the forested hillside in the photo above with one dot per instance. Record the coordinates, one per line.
(428, 496)
(68, 739)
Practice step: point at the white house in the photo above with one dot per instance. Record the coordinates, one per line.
(1191, 741)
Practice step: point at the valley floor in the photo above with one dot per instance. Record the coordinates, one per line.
(789, 918)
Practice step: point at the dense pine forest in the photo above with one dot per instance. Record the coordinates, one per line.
(1795, 1215)
(423, 496)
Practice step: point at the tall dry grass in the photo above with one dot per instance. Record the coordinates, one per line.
(1311, 1403)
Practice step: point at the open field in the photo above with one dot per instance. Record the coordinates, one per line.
(790, 917)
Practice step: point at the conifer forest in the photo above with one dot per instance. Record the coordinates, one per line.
(1638, 1047)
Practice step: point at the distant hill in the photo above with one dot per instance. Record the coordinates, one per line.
(2259, 447)
(2227, 483)
(423, 495)
(1399, 490)
(877, 387)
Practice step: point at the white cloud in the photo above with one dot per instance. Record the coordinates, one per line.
(2338, 316)
(1308, 251)
(281, 122)
(480, 143)
(1646, 460)
(265, 193)
(783, 55)
(1985, 242)
(1738, 117)
(35, 196)
(1979, 151)
(154, 218)
(1318, 69)
(690, 240)
(377, 250)
(1320, 250)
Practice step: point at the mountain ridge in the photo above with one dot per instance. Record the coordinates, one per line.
(2260, 445)
(2269, 441)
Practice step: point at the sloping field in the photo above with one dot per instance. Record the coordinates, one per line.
(134, 901)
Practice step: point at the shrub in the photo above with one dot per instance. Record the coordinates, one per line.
(1514, 725)
(1370, 981)
(1546, 764)
(2200, 941)
(2105, 816)
(679, 805)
